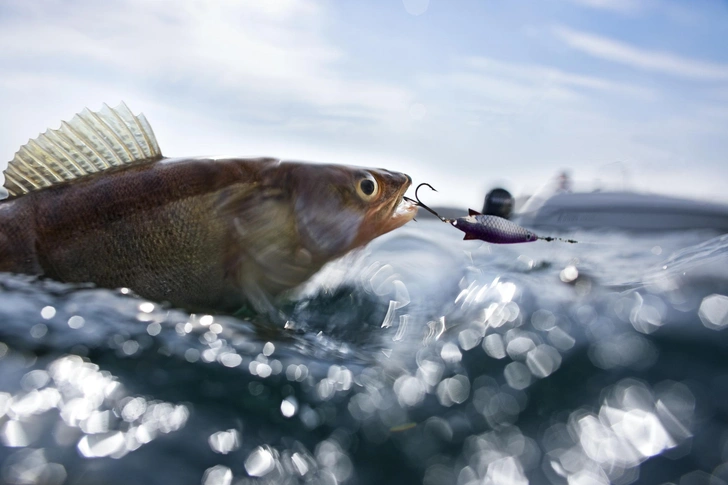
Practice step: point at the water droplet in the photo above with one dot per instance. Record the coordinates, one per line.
(299, 462)
(146, 307)
(560, 339)
(35, 379)
(569, 274)
(231, 359)
(104, 444)
(493, 346)
(518, 347)
(713, 311)
(506, 470)
(451, 353)
(225, 441)
(264, 370)
(48, 312)
(217, 475)
(517, 375)
(39, 330)
(192, 355)
(289, 407)
(98, 422)
(260, 462)
(76, 322)
(469, 338)
(13, 434)
(543, 360)
(31, 466)
(130, 347)
(410, 390)
(454, 390)
(134, 409)
(543, 320)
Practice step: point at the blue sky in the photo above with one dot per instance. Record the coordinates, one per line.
(462, 94)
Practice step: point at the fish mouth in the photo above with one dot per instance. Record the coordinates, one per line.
(403, 211)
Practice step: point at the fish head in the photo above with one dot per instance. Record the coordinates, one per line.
(339, 208)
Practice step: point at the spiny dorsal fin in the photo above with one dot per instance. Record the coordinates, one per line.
(472, 212)
(91, 142)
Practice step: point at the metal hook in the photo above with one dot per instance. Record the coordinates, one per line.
(419, 202)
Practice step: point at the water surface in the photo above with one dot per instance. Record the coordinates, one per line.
(422, 359)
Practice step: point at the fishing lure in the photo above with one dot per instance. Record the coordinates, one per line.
(488, 228)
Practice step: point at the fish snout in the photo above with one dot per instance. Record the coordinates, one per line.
(394, 179)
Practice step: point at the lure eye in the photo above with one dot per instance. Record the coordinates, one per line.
(367, 188)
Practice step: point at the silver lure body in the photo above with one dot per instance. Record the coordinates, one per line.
(492, 229)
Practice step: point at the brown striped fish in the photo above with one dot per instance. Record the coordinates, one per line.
(95, 201)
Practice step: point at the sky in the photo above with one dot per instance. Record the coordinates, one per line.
(464, 94)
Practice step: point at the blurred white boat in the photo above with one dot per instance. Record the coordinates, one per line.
(621, 210)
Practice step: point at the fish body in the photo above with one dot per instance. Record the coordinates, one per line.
(492, 229)
(210, 234)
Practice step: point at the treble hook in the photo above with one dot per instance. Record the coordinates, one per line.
(419, 202)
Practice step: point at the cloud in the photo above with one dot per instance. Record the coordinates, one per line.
(484, 85)
(286, 78)
(620, 52)
(619, 6)
(252, 53)
(242, 78)
(529, 72)
(523, 121)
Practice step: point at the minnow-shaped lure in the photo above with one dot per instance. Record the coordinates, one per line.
(492, 229)
(488, 228)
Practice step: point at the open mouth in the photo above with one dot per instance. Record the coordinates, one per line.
(404, 212)
(401, 213)
(405, 208)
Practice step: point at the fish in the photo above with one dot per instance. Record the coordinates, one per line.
(95, 201)
(493, 229)
(497, 230)
(488, 228)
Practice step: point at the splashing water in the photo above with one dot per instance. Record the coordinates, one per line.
(421, 360)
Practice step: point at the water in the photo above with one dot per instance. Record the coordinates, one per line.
(423, 359)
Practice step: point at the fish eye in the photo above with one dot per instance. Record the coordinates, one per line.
(367, 188)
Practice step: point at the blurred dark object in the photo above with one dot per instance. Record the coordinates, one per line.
(564, 181)
(621, 210)
(498, 202)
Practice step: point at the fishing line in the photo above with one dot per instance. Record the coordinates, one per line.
(419, 203)
(553, 238)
